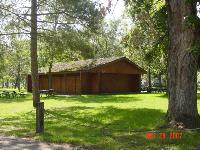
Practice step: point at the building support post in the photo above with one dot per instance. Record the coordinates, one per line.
(99, 82)
(80, 82)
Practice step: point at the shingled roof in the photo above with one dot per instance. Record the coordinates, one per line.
(81, 65)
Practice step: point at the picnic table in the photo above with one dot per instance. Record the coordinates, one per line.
(49, 92)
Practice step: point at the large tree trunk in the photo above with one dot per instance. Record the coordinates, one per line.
(182, 66)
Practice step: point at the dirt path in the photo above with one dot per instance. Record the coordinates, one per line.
(13, 143)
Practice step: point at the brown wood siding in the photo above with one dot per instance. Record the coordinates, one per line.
(43, 83)
(120, 67)
(89, 83)
(61, 83)
(57, 83)
(119, 83)
(72, 84)
(66, 84)
(29, 83)
(115, 77)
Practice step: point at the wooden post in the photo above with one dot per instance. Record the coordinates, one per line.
(140, 80)
(40, 117)
(80, 82)
(65, 91)
(75, 85)
(99, 82)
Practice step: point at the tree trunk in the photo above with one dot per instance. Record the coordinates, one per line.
(7, 84)
(15, 83)
(34, 62)
(18, 78)
(149, 80)
(34, 70)
(182, 66)
(160, 80)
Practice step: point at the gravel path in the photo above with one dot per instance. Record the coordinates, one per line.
(13, 143)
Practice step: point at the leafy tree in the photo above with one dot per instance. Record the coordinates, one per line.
(66, 24)
(107, 41)
(146, 43)
(14, 62)
(19, 61)
(183, 27)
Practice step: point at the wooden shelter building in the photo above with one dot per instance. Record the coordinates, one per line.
(92, 76)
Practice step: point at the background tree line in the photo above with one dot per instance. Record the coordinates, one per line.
(72, 32)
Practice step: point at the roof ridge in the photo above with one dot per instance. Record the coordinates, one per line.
(81, 65)
(116, 58)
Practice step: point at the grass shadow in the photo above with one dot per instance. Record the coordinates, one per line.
(166, 96)
(88, 126)
(163, 95)
(104, 127)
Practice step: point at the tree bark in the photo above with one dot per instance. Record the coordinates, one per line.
(182, 66)
(149, 80)
(34, 61)
(18, 78)
(7, 83)
(34, 70)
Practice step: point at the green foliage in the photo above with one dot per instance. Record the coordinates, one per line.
(17, 62)
(196, 46)
(2, 60)
(192, 1)
(192, 21)
(84, 13)
(67, 37)
(147, 41)
(107, 40)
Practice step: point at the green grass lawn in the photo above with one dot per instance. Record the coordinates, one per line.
(96, 121)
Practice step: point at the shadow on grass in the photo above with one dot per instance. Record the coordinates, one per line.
(163, 95)
(198, 96)
(166, 96)
(96, 98)
(101, 128)
(107, 128)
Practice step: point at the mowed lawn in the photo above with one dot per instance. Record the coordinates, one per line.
(111, 122)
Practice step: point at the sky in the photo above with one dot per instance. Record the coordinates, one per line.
(116, 10)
